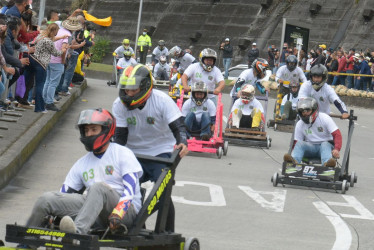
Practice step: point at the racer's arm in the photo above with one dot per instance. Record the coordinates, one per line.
(342, 108)
(178, 129)
(120, 135)
(302, 76)
(129, 184)
(337, 136)
(185, 83)
(221, 86)
(260, 87)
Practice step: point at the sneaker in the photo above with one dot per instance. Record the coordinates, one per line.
(330, 163)
(25, 106)
(205, 137)
(288, 158)
(52, 107)
(67, 225)
(55, 101)
(58, 98)
(64, 93)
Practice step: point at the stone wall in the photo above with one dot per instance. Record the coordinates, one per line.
(338, 23)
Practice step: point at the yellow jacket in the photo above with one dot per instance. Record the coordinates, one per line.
(78, 68)
(144, 40)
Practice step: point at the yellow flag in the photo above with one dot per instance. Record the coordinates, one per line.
(102, 22)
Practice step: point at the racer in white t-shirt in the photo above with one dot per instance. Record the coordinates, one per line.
(205, 71)
(149, 123)
(119, 52)
(159, 51)
(289, 73)
(182, 59)
(125, 61)
(199, 112)
(289, 102)
(247, 111)
(162, 69)
(316, 135)
(109, 172)
(251, 76)
(324, 94)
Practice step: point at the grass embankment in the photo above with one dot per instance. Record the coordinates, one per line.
(100, 67)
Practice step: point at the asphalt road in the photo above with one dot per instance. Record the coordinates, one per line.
(227, 203)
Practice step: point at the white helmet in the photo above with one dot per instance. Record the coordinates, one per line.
(207, 53)
(175, 52)
(162, 60)
(247, 93)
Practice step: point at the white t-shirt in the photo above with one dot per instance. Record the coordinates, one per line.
(196, 73)
(297, 75)
(247, 108)
(207, 106)
(123, 63)
(157, 52)
(309, 63)
(324, 96)
(292, 99)
(319, 132)
(185, 61)
(149, 131)
(120, 50)
(116, 162)
(249, 78)
(159, 68)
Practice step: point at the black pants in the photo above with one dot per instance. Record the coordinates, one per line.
(245, 121)
(143, 55)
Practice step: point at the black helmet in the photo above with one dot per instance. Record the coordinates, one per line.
(260, 65)
(307, 104)
(318, 70)
(294, 88)
(291, 62)
(135, 77)
(199, 87)
(101, 117)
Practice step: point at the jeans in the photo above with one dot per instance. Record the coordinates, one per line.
(87, 210)
(307, 149)
(151, 172)
(35, 69)
(162, 75)
(68, 74)
(226, 65)
(363, 83)
(275, 69)
(336, 81)
(54, 73)
(349, 79)
(193, 125)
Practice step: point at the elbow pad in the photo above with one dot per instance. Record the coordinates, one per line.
(179, 130)
(120, 135)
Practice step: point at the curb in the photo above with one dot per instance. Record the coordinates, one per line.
(21, 150)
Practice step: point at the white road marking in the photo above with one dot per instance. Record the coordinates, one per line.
(363, 127)
(343, 238)
(224, 119)
(216, 194)
(275, 205)
(363, 213)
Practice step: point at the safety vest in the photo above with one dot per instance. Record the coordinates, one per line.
(144, 41)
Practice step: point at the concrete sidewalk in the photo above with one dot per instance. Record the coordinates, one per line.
(21, 137)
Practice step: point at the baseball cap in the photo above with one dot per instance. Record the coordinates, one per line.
(254, 44)
(323, 46)
(227, 40)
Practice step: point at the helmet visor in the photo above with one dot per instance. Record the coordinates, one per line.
(130, 80)
(93, 116)
(246, 95)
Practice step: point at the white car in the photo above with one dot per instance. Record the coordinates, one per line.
(234, 72)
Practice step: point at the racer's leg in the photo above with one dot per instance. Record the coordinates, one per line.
(325, 151)
(245, 121)
(304, 149)
(56, 204)
(204, 124)
(155, 169)
(287, 110)
(99, 204)
(191, 123)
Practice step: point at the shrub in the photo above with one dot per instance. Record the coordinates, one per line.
(102, 46)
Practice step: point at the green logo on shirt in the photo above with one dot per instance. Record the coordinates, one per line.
(88, 175)
(308, 131)
(198, 75)
(109, 170)
(131, 120)
(150, 120)
(320, 129)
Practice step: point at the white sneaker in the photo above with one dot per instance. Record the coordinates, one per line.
(67, 225)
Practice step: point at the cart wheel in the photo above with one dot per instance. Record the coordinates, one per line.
(219, 152)
(353, 179)
(274, 179)
(192, 244)
(345, 186)
(268, 142)
(275, 127)
(225, 147)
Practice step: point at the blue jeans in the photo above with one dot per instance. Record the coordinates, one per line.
(336, 81)
(349, 79)
(363, 83)
(193, 125)
(68, 74)
(35, 69)
(307, 149)
(151, 169)
(54, 73)
(342, 79)
(226, 65)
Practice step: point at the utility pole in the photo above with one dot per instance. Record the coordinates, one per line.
(138, 26)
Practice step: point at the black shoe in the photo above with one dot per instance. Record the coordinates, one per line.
(52, 107)
(57, 97)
